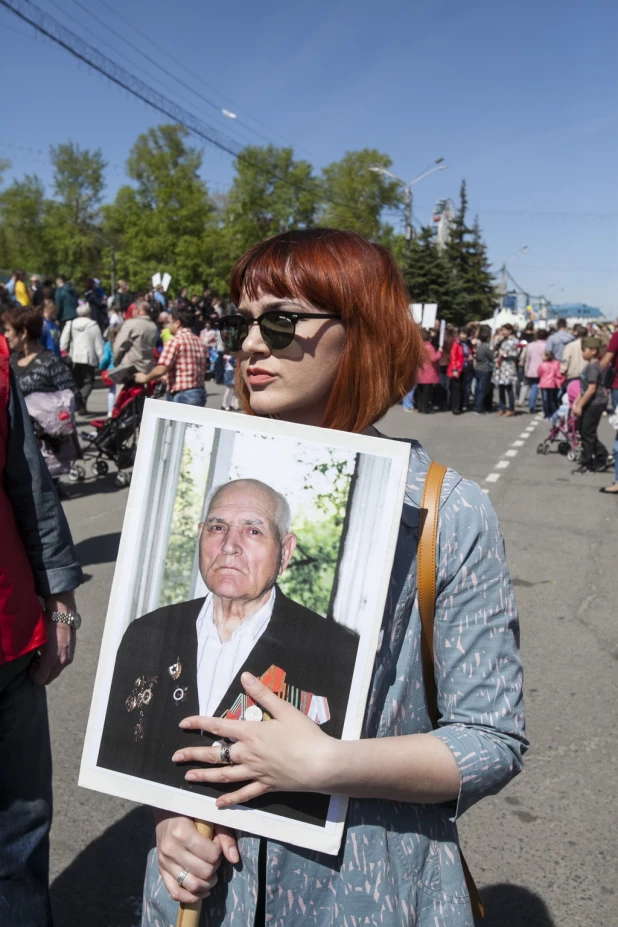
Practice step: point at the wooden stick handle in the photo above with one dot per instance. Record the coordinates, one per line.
(189, 914)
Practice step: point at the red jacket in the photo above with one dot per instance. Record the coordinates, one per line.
(456, 360)
(22, 623)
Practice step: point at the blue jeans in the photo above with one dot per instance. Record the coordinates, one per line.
(25, 798)
(482, 385)
(189, 397)
(408, 400)
(534, 392)
(549, 398)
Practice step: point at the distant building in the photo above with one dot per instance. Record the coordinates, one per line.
(574, 311)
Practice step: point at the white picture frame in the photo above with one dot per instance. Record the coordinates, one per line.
(373, 513)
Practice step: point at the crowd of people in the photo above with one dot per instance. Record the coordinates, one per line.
(65, 340)
(83, 330)
(468, 368)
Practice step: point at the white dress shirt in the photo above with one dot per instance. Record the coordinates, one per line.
(218, 662)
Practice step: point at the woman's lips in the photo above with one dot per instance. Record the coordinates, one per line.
(258, 375)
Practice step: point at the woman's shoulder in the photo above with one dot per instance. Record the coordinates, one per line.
(456, 491)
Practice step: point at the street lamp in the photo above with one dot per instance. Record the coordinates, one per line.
(437, 165)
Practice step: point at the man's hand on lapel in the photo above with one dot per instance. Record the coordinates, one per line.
(287, 753)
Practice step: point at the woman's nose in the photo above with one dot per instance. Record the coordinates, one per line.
(254, 343)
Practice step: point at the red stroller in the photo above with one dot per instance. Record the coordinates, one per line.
(565, 432)
(115, 438)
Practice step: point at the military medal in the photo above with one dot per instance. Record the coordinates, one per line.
(140, 697)
(175, 669)
(180, 695)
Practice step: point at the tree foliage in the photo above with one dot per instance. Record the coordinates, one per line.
(166, 219)
(457, 278)
(354, 196)
(162, 221)
(310, 577)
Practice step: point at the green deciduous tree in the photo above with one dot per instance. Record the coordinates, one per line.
(355, 197)
(271, 192)
(163, 221)
(25, 239)
(72, 216)
(309, 578)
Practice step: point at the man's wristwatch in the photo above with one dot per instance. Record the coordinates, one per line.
(73, 619)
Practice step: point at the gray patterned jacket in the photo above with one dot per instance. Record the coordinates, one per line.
(399, 863)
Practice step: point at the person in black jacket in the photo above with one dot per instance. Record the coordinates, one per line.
(187, 659)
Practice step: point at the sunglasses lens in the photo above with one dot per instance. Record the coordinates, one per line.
(234, 330)
(277, 330)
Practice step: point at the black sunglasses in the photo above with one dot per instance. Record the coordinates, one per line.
(277, 327)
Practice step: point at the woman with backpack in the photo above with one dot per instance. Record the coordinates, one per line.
(317, 308)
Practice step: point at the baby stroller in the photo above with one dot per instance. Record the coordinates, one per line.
(53, 421)
(565, 432)
(115, 438)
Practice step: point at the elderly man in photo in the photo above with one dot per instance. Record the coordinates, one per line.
(187, 659)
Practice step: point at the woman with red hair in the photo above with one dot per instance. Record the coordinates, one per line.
(324, 337)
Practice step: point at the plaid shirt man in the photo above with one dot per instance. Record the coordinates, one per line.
(185, 357)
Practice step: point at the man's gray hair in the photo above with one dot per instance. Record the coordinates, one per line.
(282, 515)
(83, 309)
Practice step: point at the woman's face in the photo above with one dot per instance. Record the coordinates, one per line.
(17, 341)
(294, 383)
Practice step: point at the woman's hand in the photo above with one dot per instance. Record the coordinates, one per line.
(286, 753)
(181, 846)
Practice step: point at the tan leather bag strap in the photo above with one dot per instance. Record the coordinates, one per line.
(426, 586)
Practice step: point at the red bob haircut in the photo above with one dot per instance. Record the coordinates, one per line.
(343, 272)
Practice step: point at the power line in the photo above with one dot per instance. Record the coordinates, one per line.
(138, 51)
(57, 33)
(94, 59)
(198, 77)
(153, 77)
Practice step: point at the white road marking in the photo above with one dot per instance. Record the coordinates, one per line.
(524, 435)
(502, 464)
(492, 478)
(518, 444)
(510, 453)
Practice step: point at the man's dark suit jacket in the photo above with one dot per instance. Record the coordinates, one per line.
(317, 655)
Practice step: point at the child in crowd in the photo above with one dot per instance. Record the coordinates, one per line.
(107, 363)
(50, 333)
(550, 381)
(589, 407)
(230, 400)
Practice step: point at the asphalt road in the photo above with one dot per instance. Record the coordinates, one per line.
(542, 851)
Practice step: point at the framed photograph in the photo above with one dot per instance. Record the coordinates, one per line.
(293, 529)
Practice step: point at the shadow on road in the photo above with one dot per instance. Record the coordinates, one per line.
(513, 906)
(89, 487)
(103, 885)
(101, 549)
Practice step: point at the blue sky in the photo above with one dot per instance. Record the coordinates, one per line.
(520, 99)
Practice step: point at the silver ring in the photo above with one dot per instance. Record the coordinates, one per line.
(224, 753)
(182, 876)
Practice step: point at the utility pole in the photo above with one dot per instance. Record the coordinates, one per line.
(407, 212)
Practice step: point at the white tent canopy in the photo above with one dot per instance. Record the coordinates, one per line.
(504, 316)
